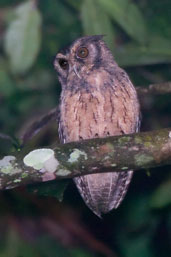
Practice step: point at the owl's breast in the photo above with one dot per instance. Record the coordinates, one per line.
(96, 113)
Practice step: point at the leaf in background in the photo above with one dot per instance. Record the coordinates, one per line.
(159, 45)
(7, 85)
(48, 247)
(162, 196)
(156, 51)
(136, 246)
(75, 4)
(22, 39)
(96, 22)
(51, 188)
(136, 228)
(128, 16)
(78, 252)
(14, 245)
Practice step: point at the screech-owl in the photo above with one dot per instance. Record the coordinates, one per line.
(97, 100)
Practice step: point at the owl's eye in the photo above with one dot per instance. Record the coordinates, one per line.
(63, 63)
(82, 52)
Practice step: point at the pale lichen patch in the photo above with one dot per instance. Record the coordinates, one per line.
(17, 180)
(75, 155)
(138, 140)
(148, 144)
(63, 172)
(10, 187)
(106, 157)
(124, 140)
(41, 159)
(6, 160)
(8, 165)
(24, 175)
(169, 134)
(124, 168)
(94, 168)
(134, 148)
(7, 170)
(51, 164)
(143, 159)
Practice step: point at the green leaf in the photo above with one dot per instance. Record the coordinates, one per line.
(96, 22)
(75, 4)
(78, 252)
(7, 86)
(162, 196)
(51, 247)
(14, 245)
(137, 246)
(52, 188)
(136, 228)
(128, 16)
(22, 39)
(156, 51)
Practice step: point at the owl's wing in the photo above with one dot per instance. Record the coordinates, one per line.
(105, 191)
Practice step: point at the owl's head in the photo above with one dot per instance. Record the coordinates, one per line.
(83, 56)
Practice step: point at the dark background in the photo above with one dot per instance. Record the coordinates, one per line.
(31, 33)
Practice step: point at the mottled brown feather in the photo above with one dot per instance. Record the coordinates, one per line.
(99, 101)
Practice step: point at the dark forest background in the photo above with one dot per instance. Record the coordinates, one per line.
(34, 221)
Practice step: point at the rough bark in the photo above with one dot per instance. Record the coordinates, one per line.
(120, 153)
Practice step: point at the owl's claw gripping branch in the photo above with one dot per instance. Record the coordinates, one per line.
(111, 154)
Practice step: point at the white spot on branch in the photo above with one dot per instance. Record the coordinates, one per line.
(63, 172)
(8, 165)
(42, 159)
(76, 154)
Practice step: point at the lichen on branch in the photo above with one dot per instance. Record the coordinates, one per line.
(119, 153)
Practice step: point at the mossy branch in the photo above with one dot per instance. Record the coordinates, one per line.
(120, 153)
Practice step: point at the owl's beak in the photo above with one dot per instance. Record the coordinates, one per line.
(76, 72)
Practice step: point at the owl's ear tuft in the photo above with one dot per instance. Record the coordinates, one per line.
(89, 39)
(96, 37)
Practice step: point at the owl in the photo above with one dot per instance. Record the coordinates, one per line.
(97, 100)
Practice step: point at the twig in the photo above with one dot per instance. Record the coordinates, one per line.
(158, 89)
(38, 125)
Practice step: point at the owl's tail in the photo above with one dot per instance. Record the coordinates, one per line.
(105, 191)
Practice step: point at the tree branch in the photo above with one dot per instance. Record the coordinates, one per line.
(157, 89)
(120, 153)
(39, 124)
